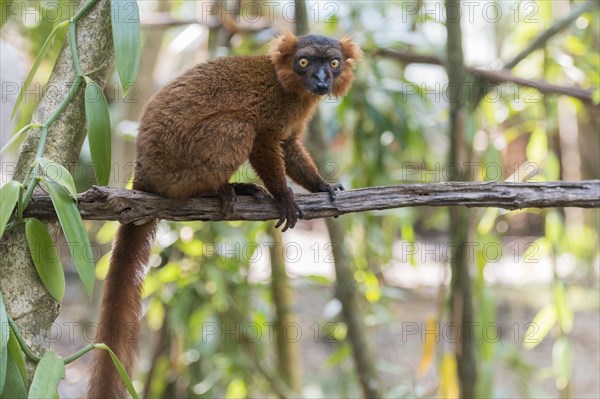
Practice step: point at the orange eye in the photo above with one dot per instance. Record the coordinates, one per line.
(334, 63)
(303, 62)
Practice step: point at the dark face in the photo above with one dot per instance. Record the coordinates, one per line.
(318, 61)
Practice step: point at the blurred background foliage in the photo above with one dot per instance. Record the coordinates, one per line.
(210, 307)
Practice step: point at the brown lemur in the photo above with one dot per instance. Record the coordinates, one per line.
(194, 134)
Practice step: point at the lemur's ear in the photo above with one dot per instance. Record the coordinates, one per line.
(352, 55)
(282, 47)
(351, 50)
(282, 51)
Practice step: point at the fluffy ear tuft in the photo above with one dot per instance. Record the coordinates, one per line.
(281, 53)
(352, 55)
(352, 52)
(282, 46)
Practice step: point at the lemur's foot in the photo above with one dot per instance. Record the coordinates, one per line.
(252, 189)
(227, 195)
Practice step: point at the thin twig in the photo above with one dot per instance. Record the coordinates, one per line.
(494, 77)
(558, 26)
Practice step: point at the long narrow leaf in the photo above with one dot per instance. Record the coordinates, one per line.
(59, 174)
(564, 312)
(15, 352)
(77, 239)
(428, 346)
(120, 369)
(98, 125)
(4, 336)
(562, 362)
(449, 386)
(49, 372)
(125, 20)
(3, 365)
(19, 134)
(541, 325)
(45, 258)
(13, 386)
(9, 195)
(38, 60)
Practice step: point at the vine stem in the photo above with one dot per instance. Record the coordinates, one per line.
(76, 82)
(86, 7)
(79, 353)
(29, 193)
(35, 358)
(32, 356)
(73, 45)
(32, 174)
(61, 107)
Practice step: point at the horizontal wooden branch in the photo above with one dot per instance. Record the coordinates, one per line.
(126, 206)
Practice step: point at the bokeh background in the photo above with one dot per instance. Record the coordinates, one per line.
(235, 309)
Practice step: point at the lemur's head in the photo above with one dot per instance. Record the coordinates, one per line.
(315, 64)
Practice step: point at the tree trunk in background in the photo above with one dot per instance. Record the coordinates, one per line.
(283, 293)
(26, 299)
(345, 290)
(288, 352)
(346, 293)
(461, 299)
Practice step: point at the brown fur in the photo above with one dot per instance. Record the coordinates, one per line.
(194, 134)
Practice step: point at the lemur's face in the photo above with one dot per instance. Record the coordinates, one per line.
(318, 61)
(314, 65)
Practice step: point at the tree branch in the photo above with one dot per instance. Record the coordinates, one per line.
(163, 20)
(540, 85)
(558, 26)
(496, 77)
(127, 206)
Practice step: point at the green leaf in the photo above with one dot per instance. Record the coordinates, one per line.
(562, 362)
(408, 235)
(49, 372)
(98, 125)
(209, 382)
(3, 365)
(62, 27)
(340, 354)
(554, 227)
(14, 386)
(57, 173)
(537, 250)
(448, 371)
(121, 370)
(77, 239)
(15, 352)
(4, 337)
(9, 195)
(45, 258)
(537, 148)
(564, 312)
(540, 327)
(19, 133)
(487, 318)
(236, 389)
(125, 19)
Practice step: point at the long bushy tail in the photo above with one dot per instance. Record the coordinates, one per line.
(121, 307)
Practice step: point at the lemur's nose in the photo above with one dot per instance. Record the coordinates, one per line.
(321, 75)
